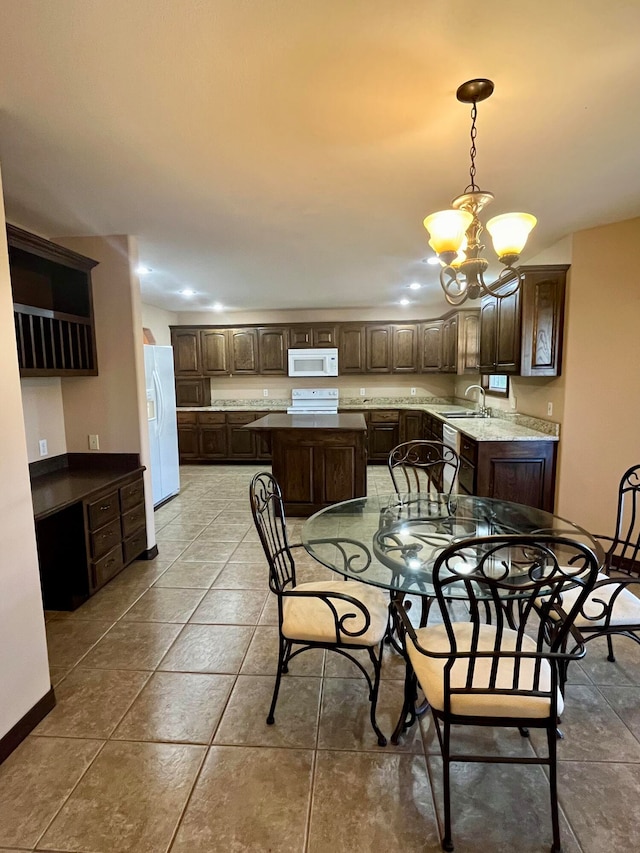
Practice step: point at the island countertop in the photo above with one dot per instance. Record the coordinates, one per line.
(342, 422)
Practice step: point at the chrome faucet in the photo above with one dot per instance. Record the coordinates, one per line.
(482, 409)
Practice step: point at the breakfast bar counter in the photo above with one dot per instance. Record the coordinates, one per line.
(317, 459)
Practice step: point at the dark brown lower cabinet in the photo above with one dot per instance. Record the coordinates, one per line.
(411, 426)
(241, 444)
(518, 471)
(384, 433)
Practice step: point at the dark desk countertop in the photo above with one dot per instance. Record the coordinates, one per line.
(343, 422)
(56, 490)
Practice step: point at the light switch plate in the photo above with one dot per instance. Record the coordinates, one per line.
(42, 444)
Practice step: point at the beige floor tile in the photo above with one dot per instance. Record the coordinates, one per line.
(68, 640)
(499, 807)
(625, 701)
(248, 552)
(230, 606)
(179, 530)
(35, 780)
(170, 551)
(262, 657)
(165, 605)
(208, 648)
(269, 615)
(207, 551)
(132, 645)
(600, 800)
(190, 575)
(624, 671)
(371, 801)
(276, 782)
(142, 789)
(243, 576)
(91, 702)
(110, 603)
(177, 707)
(296, 715)
(57, 673)
(228, 531)
(140, 573)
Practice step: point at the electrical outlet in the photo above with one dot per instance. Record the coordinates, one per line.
(413, 392)
(43, 446)
(265, 392)
(94, 442)
(549, 408)
(362, 392)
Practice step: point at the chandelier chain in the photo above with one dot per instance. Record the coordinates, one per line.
(472, 152)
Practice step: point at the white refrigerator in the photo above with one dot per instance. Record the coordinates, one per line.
(163, 427)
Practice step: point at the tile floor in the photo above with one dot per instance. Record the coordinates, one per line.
(159, 743)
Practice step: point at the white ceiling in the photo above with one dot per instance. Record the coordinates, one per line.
(283, 153)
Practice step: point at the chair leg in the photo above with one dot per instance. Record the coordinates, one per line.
(283, 647)
(377, 666)
(445, 743)
(407, 715)
(553, 788)
(610, 656)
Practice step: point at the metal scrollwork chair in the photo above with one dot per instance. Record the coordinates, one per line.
(335, 615)
(497, 669)
(419, 466)
(613, 606)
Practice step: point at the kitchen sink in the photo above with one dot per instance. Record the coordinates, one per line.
(463, 415)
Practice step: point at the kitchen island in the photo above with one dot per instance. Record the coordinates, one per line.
(318, 460)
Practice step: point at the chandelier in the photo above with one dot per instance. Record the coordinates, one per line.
(455, 234)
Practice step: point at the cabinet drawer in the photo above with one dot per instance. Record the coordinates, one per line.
(466, 477)
(132, 520)
(104, 569)
(103, 510)
(105, 538)
(135, 545)
(211, 417)
(187, 417)
(469, 449)
(385, 417)
(131, 495)
(241, 417)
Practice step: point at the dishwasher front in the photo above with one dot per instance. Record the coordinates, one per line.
(450, 438)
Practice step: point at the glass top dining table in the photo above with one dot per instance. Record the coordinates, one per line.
(392, 541)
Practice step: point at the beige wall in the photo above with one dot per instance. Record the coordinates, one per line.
(600, 431)
(43, 416)
(24, 669)
(158, 321)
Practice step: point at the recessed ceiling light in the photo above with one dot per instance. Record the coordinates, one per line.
(142, 270)
(188, 292)
(217, 306)
(405, 301)
(433, 261)
(415, 286)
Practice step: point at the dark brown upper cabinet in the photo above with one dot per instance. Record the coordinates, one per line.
(53, 307)
(272, 347)
(352, 348)
(301, 337)
(243, 344)
(186, 352)
(522, 334)
(431, 349)
(405, 348)
(214, 352)
(379, 348)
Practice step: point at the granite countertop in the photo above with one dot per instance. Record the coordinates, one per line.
(342, 422)
(500, 427)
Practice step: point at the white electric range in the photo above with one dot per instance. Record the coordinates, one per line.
(313, 401)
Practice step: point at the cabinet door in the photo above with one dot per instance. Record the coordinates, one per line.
(186, 352)
(449, 345)
(324, 336)
(431, 351)
(188, 441)
(509, 334)
(300, 337)
(352, 349)
(213, 441)
(411, 426)
(243, 344)
(468, 344)
(241, 442)
(379, 346)
(382, 439)
(214, 352)
(543, 320)
(192, 392)
(405, 349)
(488, 334)
(272, 346)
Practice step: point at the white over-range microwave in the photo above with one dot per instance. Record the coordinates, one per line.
(313, 362)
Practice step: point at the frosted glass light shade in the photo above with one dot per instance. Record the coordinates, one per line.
(510, 231)
(447, 229)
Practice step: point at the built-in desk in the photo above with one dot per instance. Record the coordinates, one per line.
(318, 460)
(90, 522)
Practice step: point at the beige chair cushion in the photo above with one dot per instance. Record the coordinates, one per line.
(430, 673)
(626, 609)
(311, 619)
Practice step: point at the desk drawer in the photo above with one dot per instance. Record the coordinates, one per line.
(105, 538)
(131, 495)
(211, 417)
(103, 510)
(104, 569)
(135, 545)
(132, 520)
